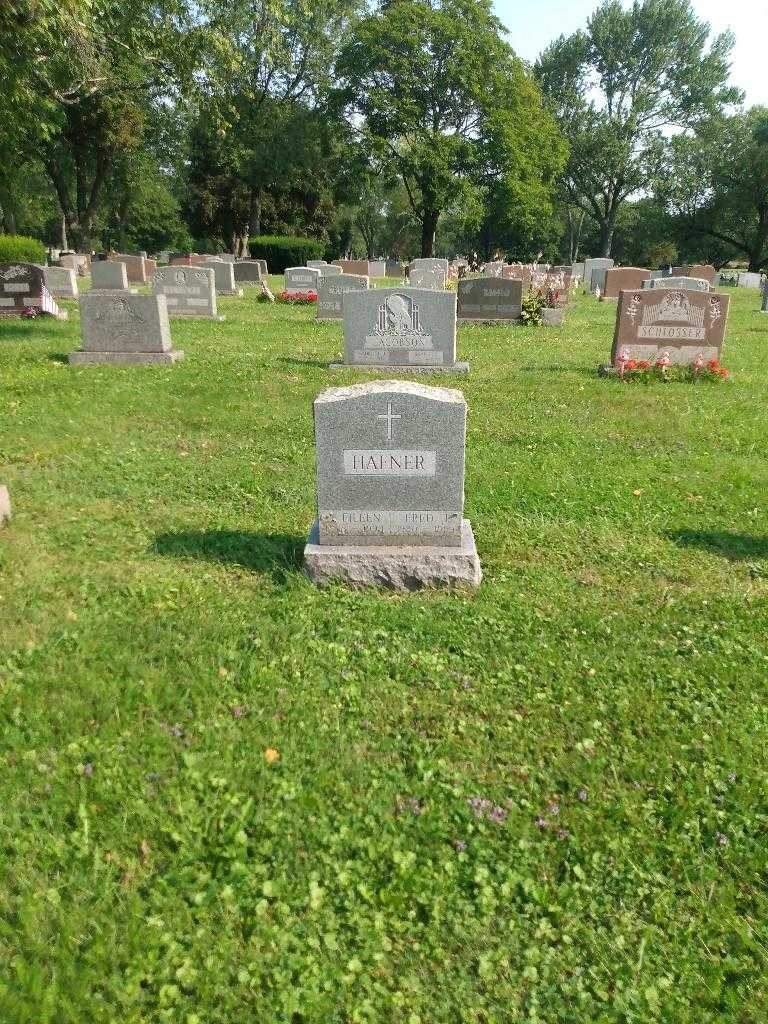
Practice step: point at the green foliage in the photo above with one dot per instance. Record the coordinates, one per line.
(21, 248)
(616, 87)
(546, 802)
(445, 104)
(532, 306)
(281, 252)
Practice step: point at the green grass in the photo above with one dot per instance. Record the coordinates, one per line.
(157, 636)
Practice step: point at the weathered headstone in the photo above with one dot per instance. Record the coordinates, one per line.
(135, 267)
(424, 277)
(61, 282)
(188, 291)
(390, 488)
(5, 505)
(22, 286)
(705, 270)
(248, 272)
(764, 308)
(225, 277)
(409, 328)
(518, 272)
(377, 268)
(354, 266)
(79, 262)
(394, 268)
(301, 280)
(594, 272)
(109, 275)
(263, 265)
(494, 269)
(747, 280)
(331, 291)
(430, 263)
(696, 283)
(489, 299)
(684, 323)
(124, 329)
(617, 279)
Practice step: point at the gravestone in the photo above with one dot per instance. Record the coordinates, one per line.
(684, 323)
(188, 291)
(430, 263)
(747, 280)
(135, 267)
(705, 270)
(76, 261)
(494, 269)
(390, 488)
(61, 282)
(224, 276)
(263, 265)
(326, 269)
(764, 308)
(618, 278)
(696, 283)
(409, 328)
(191, 259)
(5, 505)
(227, 257)
(330, 294)
(394, 268)
(577, 270)
(109, 275)
(423, 277)
(354, 266)
(377, 268)
(518, 272)
(22, 286)
(489, 300)
(301, 280)
(248, 272)
(120, 328)
(594, 272)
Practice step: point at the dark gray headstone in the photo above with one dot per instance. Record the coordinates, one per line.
(331, 290)
(490, 299)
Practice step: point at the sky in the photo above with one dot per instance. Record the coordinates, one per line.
(533, 24)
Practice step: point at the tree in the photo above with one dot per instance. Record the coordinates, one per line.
(718, 187)
(633, 74)
(439, 97)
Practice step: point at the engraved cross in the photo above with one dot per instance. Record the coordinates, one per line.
(389, 417)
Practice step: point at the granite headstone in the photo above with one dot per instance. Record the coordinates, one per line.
(124, 328)
(188, 291)
(489, 299)
(684, 323)
(331, 291)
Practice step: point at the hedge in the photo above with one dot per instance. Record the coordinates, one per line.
(21, 249)
(281, 251)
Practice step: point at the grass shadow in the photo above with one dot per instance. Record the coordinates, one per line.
(276, 554)
(736, 547)
(322, 363)
(58, 357)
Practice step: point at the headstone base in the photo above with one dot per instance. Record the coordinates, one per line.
(404, 369)
(238, 293)
(488, 322)
(5, 505)
(112, 291)
(397, 568)
(133, 358)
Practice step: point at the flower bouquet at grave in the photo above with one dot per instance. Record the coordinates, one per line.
(645, 371)
(297, 298)
(536, 301)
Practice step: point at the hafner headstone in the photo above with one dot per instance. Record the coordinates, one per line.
(22, 286)
(331, 291)
(409, 328)
(109, 275)
(390, 488)
(618, 278)
(188, 291)
(224, 277)
(683, 323)
(61, 282)
(124, 328)
(696, 283)
(301, 280)
(489, 299)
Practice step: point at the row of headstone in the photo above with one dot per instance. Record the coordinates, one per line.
(364, 268)
(741, 279)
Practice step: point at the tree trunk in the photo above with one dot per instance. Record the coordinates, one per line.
(64, 242)
(428, 231)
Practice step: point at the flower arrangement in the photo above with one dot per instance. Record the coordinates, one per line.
(661, 369)
(536, 301)
(29, 312)
(297, 298)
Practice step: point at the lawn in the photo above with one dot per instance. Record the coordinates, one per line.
(228, 797)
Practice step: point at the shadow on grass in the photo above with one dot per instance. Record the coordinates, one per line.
(277, 554)
(58, 357)
(736, 547)
(322, 363)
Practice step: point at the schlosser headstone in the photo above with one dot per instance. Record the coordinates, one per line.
(683, 323)
(489, 299)
(188, 291)
(124, 329)
(409, 328)
(390, 488)
(331, 291)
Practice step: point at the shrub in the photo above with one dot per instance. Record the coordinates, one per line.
(21, 249)
(533, 303)
(281, 251)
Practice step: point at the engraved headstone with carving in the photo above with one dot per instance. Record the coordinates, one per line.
(331, 290)
(124, 328)
(22, 286)
(427, 277)
(390, 487)
(490, 299)
(188, 291)
(683, 323)
(412, 329)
